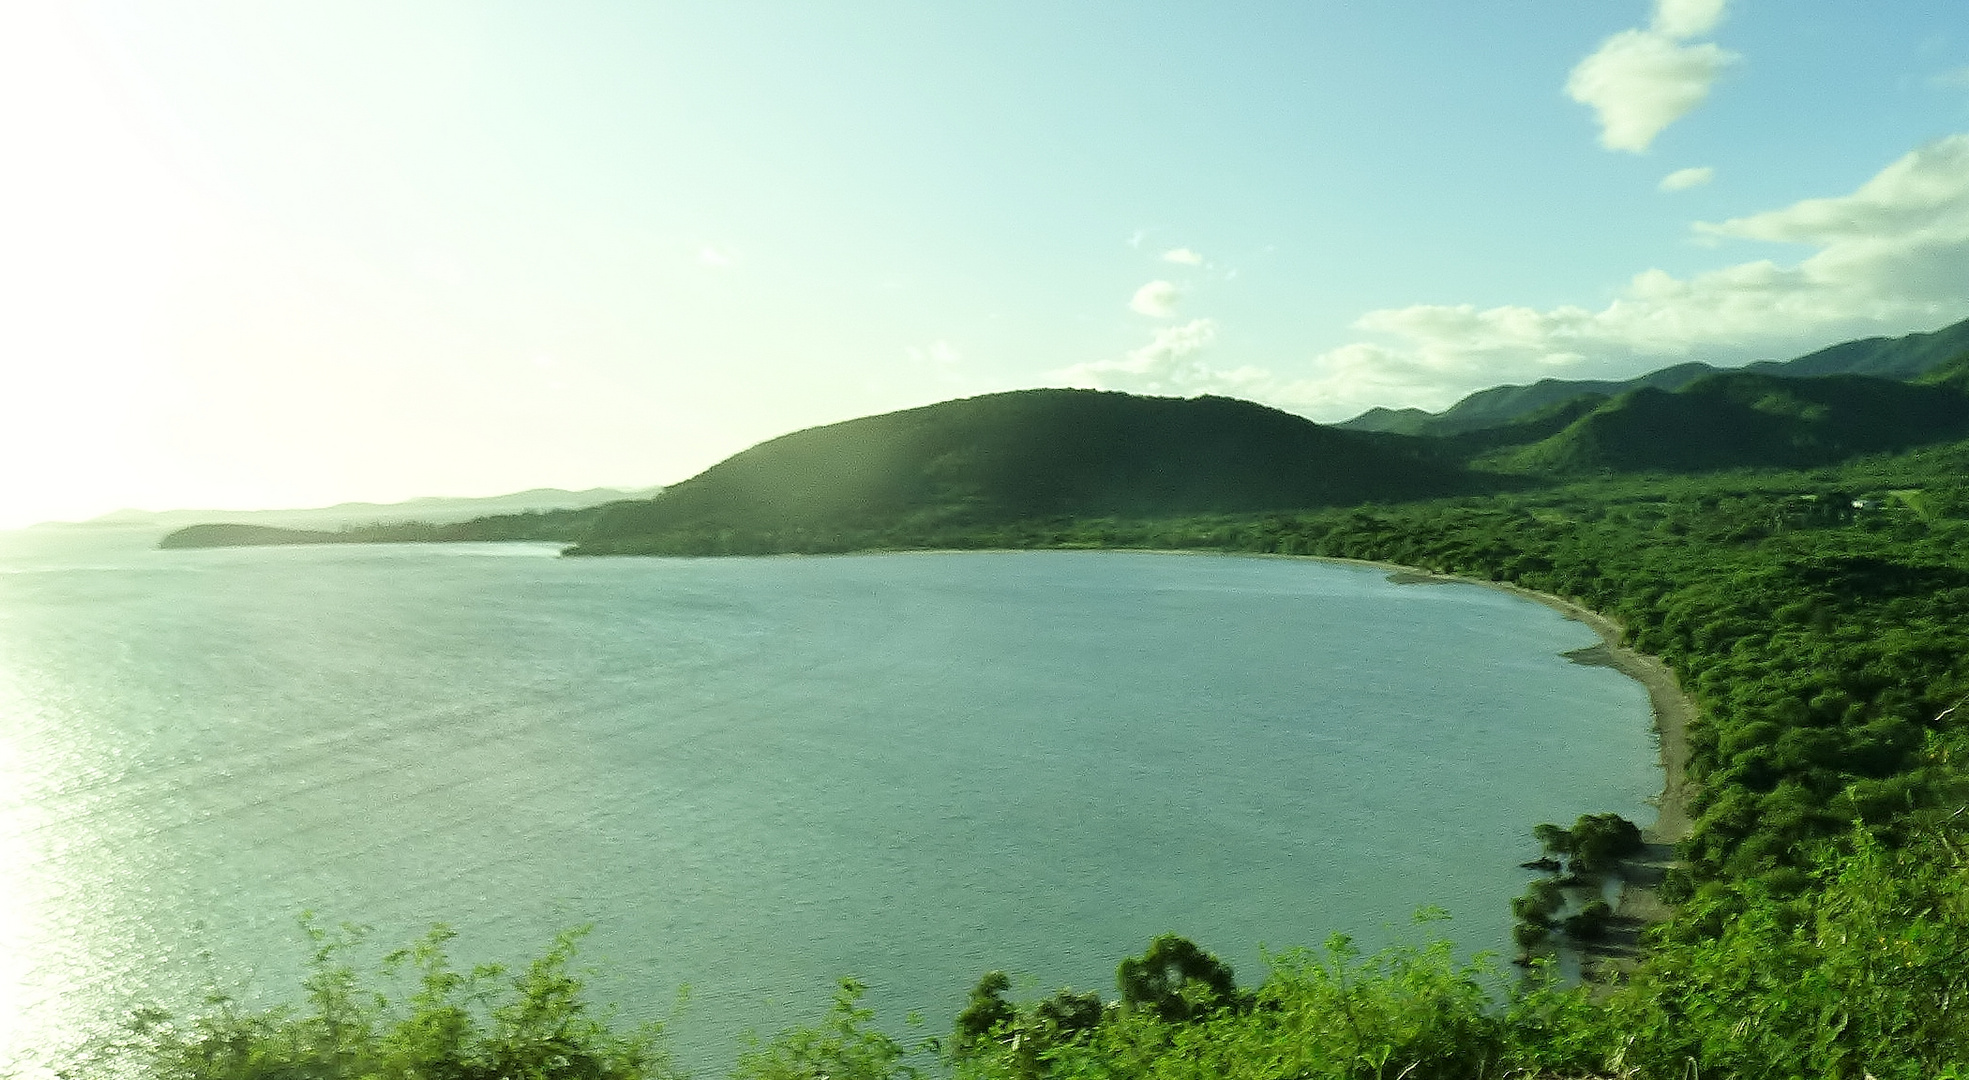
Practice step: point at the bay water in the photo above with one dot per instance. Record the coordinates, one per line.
(755, 776)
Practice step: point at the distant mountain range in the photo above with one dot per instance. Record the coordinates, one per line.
(955, 471)
(1744, 419)
(1886, 358)
(347, 515)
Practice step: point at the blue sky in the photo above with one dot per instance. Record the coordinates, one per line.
(292, 254)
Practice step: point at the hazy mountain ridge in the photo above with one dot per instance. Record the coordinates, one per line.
(432, 509)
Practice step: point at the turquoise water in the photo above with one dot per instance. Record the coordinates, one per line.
(754, 776)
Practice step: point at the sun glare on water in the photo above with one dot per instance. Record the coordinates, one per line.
(21, 821)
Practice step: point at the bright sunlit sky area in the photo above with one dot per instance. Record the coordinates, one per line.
(289, 254)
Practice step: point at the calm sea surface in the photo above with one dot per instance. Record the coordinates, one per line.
(754, 776)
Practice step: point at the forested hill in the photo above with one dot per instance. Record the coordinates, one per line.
(1905, 357)
(1741, 419)
(1029, 454)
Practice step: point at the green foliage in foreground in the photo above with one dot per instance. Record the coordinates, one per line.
(1864, 974)
(479, 1025)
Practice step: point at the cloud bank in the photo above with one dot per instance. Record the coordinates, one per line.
(1182, 255)
(1890, 257)
(1640, 81)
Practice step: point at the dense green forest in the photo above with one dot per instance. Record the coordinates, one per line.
(1795, 549)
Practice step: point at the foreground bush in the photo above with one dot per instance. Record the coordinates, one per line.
(480, 1025)
(1862, 972)
(1407, 1012)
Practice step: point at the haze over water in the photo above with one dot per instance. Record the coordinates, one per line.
(755, 776)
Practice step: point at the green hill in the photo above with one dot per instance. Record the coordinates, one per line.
(1032, 454)
(1905, 357)
(1741, 419)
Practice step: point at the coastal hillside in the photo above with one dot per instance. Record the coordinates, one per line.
(1902, 358)
(1744, 419)
(1033, 454)
(960, 473)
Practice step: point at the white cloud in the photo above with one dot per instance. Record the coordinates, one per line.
(1687, 18)
(1684, 179)
(1921, 198)
(1156, 299)
(1182, 255)
(1641, 81)
(1890, 257)
(1169, 364)
(716, 258)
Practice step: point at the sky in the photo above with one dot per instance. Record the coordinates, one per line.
(292, 254)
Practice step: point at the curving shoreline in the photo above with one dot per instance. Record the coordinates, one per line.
(1640, 902)
(1672, 708)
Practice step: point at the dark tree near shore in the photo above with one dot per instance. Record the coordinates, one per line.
(1553, 839)
(1542, 900)
(1600, 841)
(1590, 924)
(1529, 935)
(1595, 843)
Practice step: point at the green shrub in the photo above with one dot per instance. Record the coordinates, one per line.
(485, 1023)
(1176, 979)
